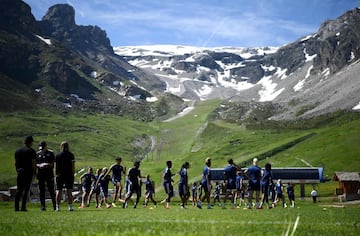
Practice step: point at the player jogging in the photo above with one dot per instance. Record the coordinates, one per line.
(103, 182)
(133, 184)
(117, 170)
(87, 180)
(205, 184)
(183, 184)
(167, 182)
(149, 191)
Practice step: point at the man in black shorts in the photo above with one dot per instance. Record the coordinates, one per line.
(45, 173)
(25, 160)
(64, 170)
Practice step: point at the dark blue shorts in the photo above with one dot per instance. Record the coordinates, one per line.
(183, 190)
(169, 189)
(254, 186)
(204, 186)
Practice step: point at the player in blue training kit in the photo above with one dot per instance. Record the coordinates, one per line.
(183, 184)
(103, 182)
(149, 191)
(279, 188)
(194, 193)
(254, 176)
(266, 180)
(239, 188)
(205, 184)
(87, 180)
(117, 170)
(230, 181)
(95, 188)
(133, 185)
(167, 182)
(291, 194)
(217, 191)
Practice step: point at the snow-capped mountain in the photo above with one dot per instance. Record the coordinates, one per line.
(196, 72)
(314, 75)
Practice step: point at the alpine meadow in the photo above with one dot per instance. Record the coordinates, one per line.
(185, 116)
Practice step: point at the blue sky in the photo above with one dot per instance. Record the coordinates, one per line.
(205, 23)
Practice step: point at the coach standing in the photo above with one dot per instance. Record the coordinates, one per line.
(64, 170)
(25, 161)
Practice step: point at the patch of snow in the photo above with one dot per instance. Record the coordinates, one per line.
(309, 57)
(299, 85)
(281, 73)
(268, 92)
(151, 99)
(352, 56)
(184, 112)
(338, 34)
(357, 107)
(67, 105)
(326, 72)
(116, 83)
(222, 79)
(308, 72)
(38, 90)
(93, 74)
(47, 41)
(171, 50)
(204, 91)
(307, 37)
(133, 82)
(77, 97)
(268, 68)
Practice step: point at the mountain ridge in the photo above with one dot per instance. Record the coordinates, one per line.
(299, 77)
(64, 65)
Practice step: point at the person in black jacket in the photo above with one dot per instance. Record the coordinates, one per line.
(45, 173)
(25, 167)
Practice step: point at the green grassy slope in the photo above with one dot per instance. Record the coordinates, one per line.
(96, 139)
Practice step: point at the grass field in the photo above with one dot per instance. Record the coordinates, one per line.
(313, 219)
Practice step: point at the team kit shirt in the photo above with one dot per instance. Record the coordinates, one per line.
(290, 191)
(279, 189)
(254, 173)
(167, 175)
(167, 181)
(96, 187)
(149, 187)
(45, 162)
(206, 175)
(239, 182)
(193, 190)
(133, 177)
(104, 183)
(266, 179)
(183, 182)
(230, 174)
(116, 173)
(88, 180)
